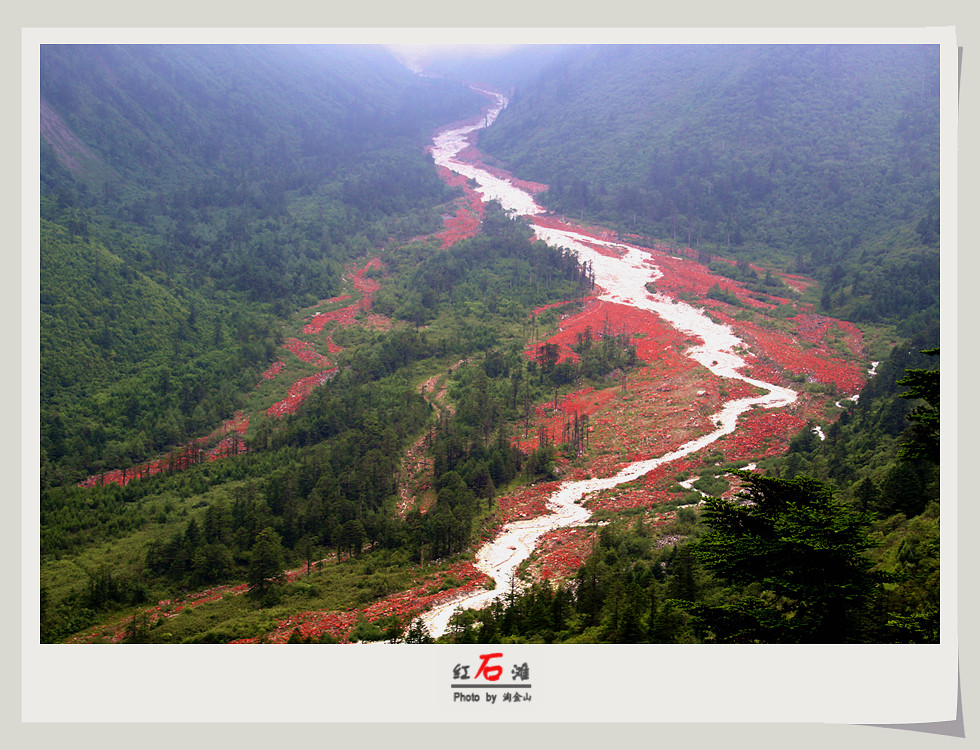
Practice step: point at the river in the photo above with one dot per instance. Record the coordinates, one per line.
(620, 279)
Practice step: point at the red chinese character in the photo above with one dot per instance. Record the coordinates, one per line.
(492, 673)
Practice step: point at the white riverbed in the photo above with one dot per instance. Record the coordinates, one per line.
(619, 279)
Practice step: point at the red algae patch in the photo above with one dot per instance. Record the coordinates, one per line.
(660, 408)
(761, 433)
(298, 392)
(686, 276)
(609, 251)
(434, 588)
(231, 434)
(430, 588)
(815, 329)
(563, 223)
(798, 284)
(560, 554)
(631, 497)
(347, 315)
(273, 370)
(651, 410)
(526, 502)
(367, 286)
(305, 351)
(344, 316)
(532, 187)
(313, 625)
(465, 221)
(815, 363)
(651, 335)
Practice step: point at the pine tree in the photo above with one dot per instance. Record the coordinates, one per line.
(806, 552)
(924, 440)
(265, 566)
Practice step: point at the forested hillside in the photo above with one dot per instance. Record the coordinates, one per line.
(323, 479)
(822, 158)
(189, 194)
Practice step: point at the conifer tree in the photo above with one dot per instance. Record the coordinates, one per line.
(803, 551)
(265, 567)
(924, 441)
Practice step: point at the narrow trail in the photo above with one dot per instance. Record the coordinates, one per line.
(415, 462)
(621, 276)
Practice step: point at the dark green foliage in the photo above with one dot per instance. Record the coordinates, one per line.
(265, 565)
(826, 156)
(366, 631)
(268, 166)
(928, 226)
(724, 295)
(188, 192)
(600, 353)
(866, 454)
(924, 440)
(73, 518)
(912, 553)
(866, 494)
(497, 273)
(541, 463)
(714, 134)
(621, 594)
(175, 112)
(893, 280)
(864, 442)
(203, 553)
(901, 491)
(131, 367)
(325, 477)
(785, 563)
(106, 590)
(805, 549)
(418, 633)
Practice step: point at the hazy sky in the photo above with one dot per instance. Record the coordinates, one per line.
(415, 55)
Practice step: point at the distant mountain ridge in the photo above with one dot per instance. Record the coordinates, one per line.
(810, 151)
(157, 112)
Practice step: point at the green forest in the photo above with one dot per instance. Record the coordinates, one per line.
(213, 191)
(198, 203)
(823, 160)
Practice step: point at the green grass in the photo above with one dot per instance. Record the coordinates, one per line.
(352, 583)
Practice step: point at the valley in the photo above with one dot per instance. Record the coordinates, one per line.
(473, 416)
(620, 301)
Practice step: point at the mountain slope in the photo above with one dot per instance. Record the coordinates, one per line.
(807, 154)
(188, 193)
(174, 112)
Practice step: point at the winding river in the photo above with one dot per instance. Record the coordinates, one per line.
(618, 279)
